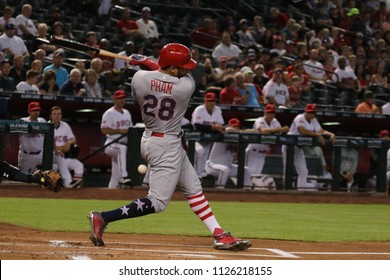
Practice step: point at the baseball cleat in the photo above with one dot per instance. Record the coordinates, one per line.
(226, 241)
(98, 225)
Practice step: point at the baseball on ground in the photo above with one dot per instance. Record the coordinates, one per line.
(142, 169)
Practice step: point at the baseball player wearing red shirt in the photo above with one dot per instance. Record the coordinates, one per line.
(163, 96)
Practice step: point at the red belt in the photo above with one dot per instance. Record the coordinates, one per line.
(158, 134)
(162, 135)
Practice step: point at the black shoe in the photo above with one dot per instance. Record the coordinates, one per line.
(76, 184)
(125, 181)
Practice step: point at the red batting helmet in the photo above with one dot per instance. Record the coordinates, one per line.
(176, 55)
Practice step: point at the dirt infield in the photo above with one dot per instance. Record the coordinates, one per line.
(26, 243)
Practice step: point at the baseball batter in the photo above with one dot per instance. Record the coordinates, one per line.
(31, 145)
(255, 153)
(115, 123)
(163, 96)
(63, 139)
(206, 118)
(305, 124)
(220, 163)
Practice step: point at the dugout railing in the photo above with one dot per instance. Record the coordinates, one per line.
(243, 139)
(19, 127)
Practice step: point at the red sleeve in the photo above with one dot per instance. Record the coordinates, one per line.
(149, 64)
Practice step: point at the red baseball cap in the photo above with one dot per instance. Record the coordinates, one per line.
(210, 96)
(311, 108)
(384, 133)
(34, 106)
(270, 108)
(234, 122)
(119, 94)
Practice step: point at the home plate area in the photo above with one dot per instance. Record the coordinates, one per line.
(24, 243)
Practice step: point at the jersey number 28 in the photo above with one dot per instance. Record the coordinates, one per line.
(167, 106)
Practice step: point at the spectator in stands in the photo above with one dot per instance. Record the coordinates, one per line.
(7, 17)
(59, 32)
(80, 64)
(362, 76)
(43, 35)
(55, 15)
(107, 62)
(92, 87)
(278, 46)
(219, 73)
(7, 83)
(73, 85)
(41, 55)
(345, 79)
(291, 50)
(379, 78)
(367, 105)
(206, 118)
(96, 65)
(17, 71)
(302, 51)
(303, 78)
(49, 86)
(147, 27)
(156, 49)
(278, 18)
(255, 153)
(276, 91)
(12, 44)
(245, 37)
(30, 84)
(205, 36)
(128, 27)
(116, 80)
(305, 124)
(230, 94)
(249, 76)
(313, 68)
(26, 27)
(37, 66)
(199, 72)
(260, 78)
(56, 66)
(257, 29)
(386, 108)
(128, 49)
(220, 162)
(295, 92)
(227, 49)
(248, 92)
(357, 23)
(91, 40)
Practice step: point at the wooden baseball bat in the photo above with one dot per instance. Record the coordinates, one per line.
(77, 46)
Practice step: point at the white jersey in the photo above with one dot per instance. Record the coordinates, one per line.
(349, 160)
(301, 121)
(340, 74)
(261, 123)
(149, 30)
(116, 120)
(163, 99)
(386, 109)
(222, 153)
(278, 91)
(62, 134)
(31, 143)
(201, 116)
(27, 23)
(25, 87)
(314, 69)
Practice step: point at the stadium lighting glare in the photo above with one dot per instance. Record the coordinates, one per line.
(331, 123)
(86, 111)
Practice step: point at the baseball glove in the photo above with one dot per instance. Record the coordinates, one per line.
(50, 179)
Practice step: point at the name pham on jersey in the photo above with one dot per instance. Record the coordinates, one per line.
(160, 86)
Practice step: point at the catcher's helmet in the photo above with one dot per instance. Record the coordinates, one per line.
(176, 55)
